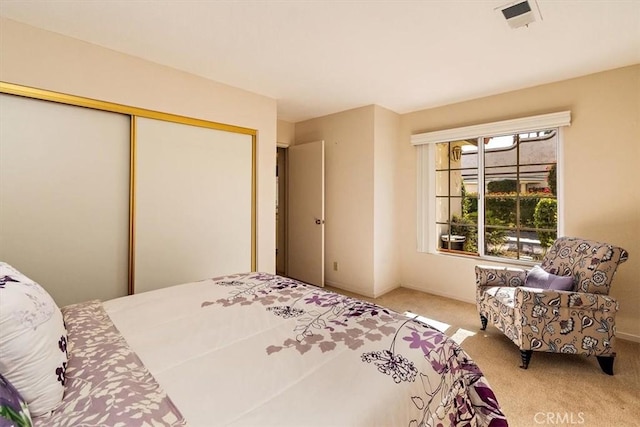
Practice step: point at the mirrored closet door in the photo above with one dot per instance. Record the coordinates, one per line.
(64, 197)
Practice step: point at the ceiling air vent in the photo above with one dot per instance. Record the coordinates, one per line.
(519, 14)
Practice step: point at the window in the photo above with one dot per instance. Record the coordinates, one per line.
(491, 190)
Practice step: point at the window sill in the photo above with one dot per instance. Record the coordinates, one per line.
(492, 259)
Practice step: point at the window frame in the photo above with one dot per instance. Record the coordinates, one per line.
(426, 172)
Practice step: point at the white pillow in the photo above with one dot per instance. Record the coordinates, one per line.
(33, 341)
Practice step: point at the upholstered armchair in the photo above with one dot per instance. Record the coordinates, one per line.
(537, 315)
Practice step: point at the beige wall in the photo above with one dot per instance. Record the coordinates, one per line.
(386, 272)
(360, 169)
(46, 60)
(348, 138)
(286, 133)
(601, 176)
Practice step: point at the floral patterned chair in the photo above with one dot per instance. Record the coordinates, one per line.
(537, 316)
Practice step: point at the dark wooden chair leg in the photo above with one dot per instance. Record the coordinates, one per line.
(483, 320)
(525, 355)
(606, 364)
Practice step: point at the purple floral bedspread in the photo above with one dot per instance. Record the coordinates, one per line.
(106, 384)
(403, 349)
(267, 350)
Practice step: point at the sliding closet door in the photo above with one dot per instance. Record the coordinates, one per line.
(193, 214)
(64, 197)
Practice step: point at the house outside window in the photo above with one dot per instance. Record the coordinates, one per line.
(491, 190)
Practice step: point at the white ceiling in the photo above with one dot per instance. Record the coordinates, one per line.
(319, 57)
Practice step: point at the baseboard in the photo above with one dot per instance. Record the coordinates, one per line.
(438, 293)
(385, 290)
(628, 337)
(349, 288)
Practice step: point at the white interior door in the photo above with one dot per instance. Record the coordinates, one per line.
(305, 249)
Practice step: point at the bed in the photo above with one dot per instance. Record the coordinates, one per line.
(257, 349)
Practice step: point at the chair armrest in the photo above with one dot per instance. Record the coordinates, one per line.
(565, 321)
(499, 276)
(565, 299)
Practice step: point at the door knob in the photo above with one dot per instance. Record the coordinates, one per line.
(319, 221)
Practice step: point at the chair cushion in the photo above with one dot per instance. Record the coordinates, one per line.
(505, 295)
(538, 278)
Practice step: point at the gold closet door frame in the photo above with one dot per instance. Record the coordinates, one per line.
(133, 112)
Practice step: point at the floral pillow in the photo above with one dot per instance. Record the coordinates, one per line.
(13, 409)
(33, 341)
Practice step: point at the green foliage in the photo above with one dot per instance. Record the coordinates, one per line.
(470, 204)
(502, 203)
(503, 186)
(465, 203)
(546, 217)
(467, 227)
(494, 238)
(503, 208)
(551, 179)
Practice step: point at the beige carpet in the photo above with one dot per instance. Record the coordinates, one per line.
(556, 390)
